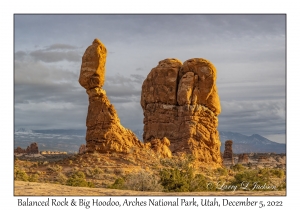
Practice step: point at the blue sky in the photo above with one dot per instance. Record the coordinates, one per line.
(249, 52)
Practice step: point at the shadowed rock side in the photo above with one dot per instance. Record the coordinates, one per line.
(104, 131)
(181, 103)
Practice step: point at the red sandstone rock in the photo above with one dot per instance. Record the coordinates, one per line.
(92, 73)
(104, 130)
(160, 86)
(180, 102)
(161, 147)
(228, 154)
(32, 149)
(19, 150)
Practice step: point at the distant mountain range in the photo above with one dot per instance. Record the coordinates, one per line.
(70, 140)
(253, 143)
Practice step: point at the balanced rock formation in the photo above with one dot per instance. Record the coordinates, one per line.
(243, 158)
(180, 102)
(104, 131)
(32, 149)
(228, 154)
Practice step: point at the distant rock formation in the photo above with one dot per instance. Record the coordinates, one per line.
(181, 103)
(19, 150)
(82, 149)
(53, 153)
(263, 159)
(228, 154)
(243, 158)
(104, 131)
(32, 149)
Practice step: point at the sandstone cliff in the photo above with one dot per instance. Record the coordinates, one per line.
(180, 102)
(104, 131)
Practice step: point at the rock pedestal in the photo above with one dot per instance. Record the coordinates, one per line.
(180, 102)
(104, 131)
(228, 154)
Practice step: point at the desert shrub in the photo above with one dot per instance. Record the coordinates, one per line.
(139, 181)
(176, 180)
(78, 179)
(20, 175)
(182, 162)
(93, 172)
(277, 173)
(143, 181)
(97, 171)
(238, 167)
(61, 178)
(118, 184)
(222, 171)
(250, 178)
(89, 172)
(119, 171)
(282, 185)
(34, 178)
(55, 168)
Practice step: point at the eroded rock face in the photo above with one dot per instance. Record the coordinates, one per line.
(228, 154)
(92, 73)
(32, 149)
(161, 147)
(19, 150)
(104, 131)
(181, 103)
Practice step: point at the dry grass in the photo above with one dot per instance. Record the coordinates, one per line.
(46, 189)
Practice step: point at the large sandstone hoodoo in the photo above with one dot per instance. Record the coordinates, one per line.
(181, 103)
(228, 154)
(104, 131)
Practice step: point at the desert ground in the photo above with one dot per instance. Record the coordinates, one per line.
(122, 175)
(46, 189)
